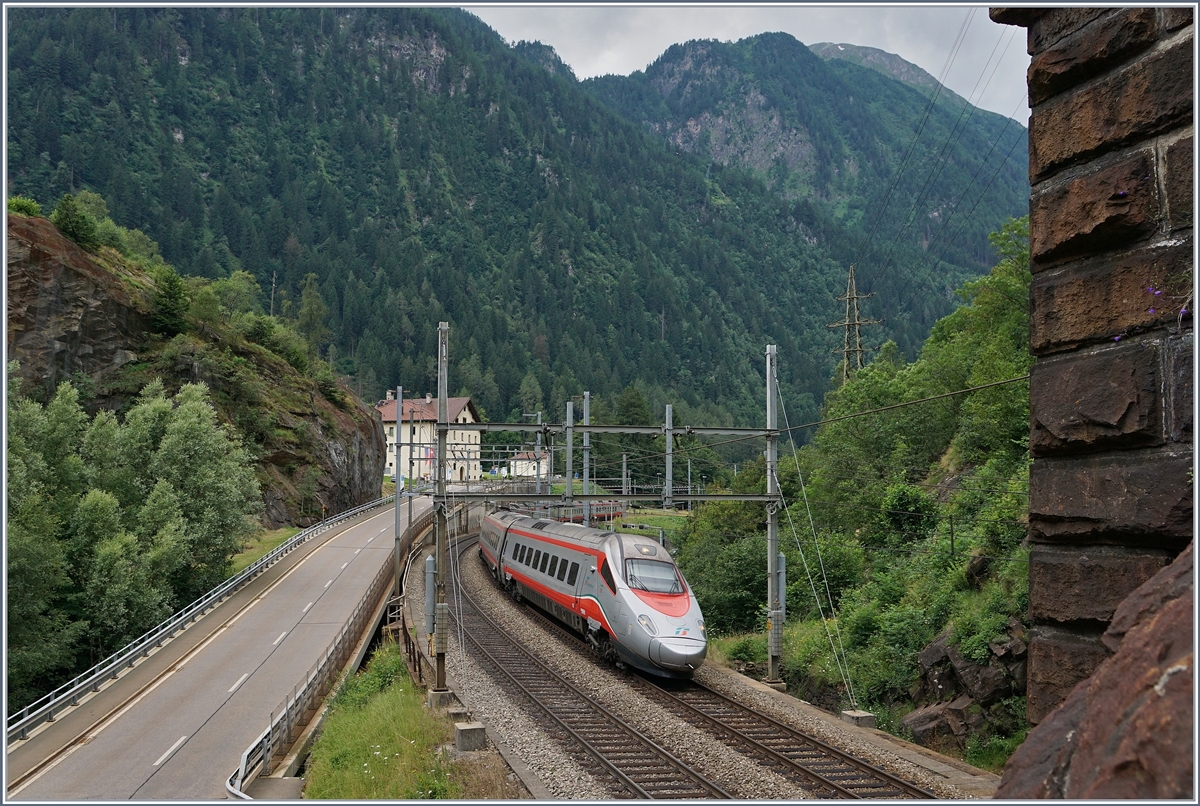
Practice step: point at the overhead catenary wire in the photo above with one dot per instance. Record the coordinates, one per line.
(844, 661)
(943, 158)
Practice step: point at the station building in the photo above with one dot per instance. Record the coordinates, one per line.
(413, 441)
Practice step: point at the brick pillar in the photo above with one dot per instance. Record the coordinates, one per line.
(1110, 211)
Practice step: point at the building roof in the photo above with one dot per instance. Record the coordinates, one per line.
(424, 410)
(527, 456)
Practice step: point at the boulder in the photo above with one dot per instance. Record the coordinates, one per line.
(1125, 731)
(985, 682)
(945, 725)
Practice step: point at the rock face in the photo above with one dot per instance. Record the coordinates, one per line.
(72, 314)
(966, 695)
(67, 313)
(1125, 732)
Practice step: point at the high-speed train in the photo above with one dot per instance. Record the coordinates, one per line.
(623, 592)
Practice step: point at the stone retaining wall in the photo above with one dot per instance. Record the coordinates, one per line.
(1110, 164)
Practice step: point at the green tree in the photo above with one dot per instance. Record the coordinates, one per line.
(171, 301)
(310, 320)
(74, 222)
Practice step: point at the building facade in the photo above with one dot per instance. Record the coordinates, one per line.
(412, 443)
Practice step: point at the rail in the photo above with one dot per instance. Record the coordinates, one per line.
(296, 709)
(17, 726)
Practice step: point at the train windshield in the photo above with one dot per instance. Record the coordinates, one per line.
(653, 576)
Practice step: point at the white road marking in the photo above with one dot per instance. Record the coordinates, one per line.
(330, 582)
(305, 610)
(369, 539)
(280, 638)
(356, 551)
(170, 750)
(241, 680)
(344, 565)
(191, 654)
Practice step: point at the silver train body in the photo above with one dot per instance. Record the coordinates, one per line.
(623, 592)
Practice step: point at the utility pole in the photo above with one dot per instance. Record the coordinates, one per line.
(624, 474)
(689, 483)
(539, 456)
(442, 615)
(587, 456)
(667, 502)
(853, 321)
(399, 485)
(569, 425)
(775, 596)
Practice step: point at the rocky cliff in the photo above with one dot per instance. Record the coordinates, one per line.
(86, 318)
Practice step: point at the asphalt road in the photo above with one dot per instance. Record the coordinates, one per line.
(183, 733)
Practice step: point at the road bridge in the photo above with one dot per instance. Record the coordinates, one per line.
(175, 725)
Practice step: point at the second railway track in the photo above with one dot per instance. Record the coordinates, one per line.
(822, 770)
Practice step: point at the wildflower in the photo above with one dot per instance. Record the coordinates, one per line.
(1151, 310)
(1116, 338)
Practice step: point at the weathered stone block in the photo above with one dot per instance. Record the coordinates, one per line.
(1168, 584)
(1181, 359)
(1112, 204)
(1147, 98)
(1126, 732)
(1101, 44)
(1175, 18)
(1058, 660)
(1107, 398)
(1142, 498)
(1105, 298)
(1086, 582)
(1179, 182)
(1054, 24)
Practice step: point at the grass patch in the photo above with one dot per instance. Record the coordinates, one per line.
(379, 740)
(258, 546)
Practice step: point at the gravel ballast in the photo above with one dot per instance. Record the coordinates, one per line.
(510, 718)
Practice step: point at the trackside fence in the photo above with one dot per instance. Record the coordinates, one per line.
(286, 721)
(69, 694)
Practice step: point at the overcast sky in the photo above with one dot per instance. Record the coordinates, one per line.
(988, 66)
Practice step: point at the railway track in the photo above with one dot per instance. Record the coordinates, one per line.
(824, 770)
(821, 769)
(603, 743)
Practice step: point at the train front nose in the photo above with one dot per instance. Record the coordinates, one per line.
(678, 654)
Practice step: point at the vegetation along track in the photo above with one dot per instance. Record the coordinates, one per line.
(823, 770)
(606, 745)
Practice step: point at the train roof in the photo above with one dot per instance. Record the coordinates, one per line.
(584, 535)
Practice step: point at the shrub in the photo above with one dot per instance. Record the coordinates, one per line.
(23, 205)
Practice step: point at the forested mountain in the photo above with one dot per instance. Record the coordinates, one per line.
(852, 134)
(423, 170)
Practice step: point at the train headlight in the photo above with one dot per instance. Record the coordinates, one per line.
(647, 625)
(703, 632)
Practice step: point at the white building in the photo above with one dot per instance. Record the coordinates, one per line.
(525, 465)
(416, 441)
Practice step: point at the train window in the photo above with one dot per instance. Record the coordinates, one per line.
(553, 566)
(537, 555)
(524, 553)
(606, 572)
(653, 576)
(562, 570)
(514, 551)
(545, 559)
(571, 577)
